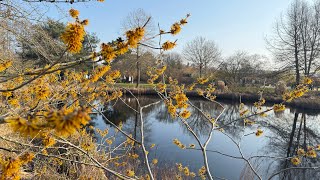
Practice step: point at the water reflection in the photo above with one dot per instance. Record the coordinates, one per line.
(284, 133)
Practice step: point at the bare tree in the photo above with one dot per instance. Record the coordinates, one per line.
(139, 18)
(296, 39)
(202, 53)
(174, 65)
(240, 66)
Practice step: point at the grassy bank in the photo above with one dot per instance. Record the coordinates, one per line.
(248, 95)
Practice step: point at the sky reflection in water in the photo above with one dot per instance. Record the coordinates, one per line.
(282, 132)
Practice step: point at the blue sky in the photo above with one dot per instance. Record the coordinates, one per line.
(232, 24)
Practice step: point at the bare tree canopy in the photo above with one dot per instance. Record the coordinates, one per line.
(241, 65)
(296, 39)
(139, 18)
(202, 53)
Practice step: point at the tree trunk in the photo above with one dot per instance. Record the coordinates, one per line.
(138, 68)
(296, 57)
(200, 70)
(294, 125)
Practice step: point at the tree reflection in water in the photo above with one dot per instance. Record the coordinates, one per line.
(284, 133)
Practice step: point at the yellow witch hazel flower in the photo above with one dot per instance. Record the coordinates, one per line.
(130, 173)
(295, 161)
(202, 80)
(5, 65)
(279, 107)
(168, 45)
(307, 80)
(74, 33)
(259, 132)
(154, 161)
(134, 36)
(175, 28)
(73, 37)
(66, 123)
(11, 168)
(311, 153)
(74, 13)
(301, 152)
(107, 52)
(172, 110)
(185, 114)
(23, 126)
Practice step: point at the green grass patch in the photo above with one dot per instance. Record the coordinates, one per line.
(133, 85)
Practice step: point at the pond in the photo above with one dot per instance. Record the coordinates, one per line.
(283, 134)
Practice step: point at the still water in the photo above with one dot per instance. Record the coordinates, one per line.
(283, 134)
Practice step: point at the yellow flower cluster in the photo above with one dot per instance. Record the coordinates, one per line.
(243, 110)
(74, 13)
(259, 132)
(299, 91)
(74, 33)
(185, 114)
(248, 122)
(295, 161)
(200, 92)
(172, 110)
(115, 74)
(134, 36)
(185, 170)
(258, 104)
(161, 87)
(110, 79)
(48, 141)
(154, 73)
(202, 172)
(168, 45)
(129, 172)
(307, 80)
(155, 161)
(10, 168)
(114, 95)
(202, 80)
(73, 37)
(5, 65)
(181, 100)
(209, 90)
(175, 28)
(42, 92)
(87, 146)
(179, 144)
(192, 146)
(23, 126)
(311, 153)
(191, 86)
(99, 72)
(122, 48)
(160, 70)
(107, 52)
(301, 152)
(66, 123)
(279, 107)
(133, 156)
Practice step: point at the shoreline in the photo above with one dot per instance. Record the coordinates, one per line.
(307, 102)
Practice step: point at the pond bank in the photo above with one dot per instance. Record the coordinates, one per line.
(310, 102)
